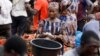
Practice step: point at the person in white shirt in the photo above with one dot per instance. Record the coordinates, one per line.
(5, 18)
(92, 24)
(19, 16)
(90, 44)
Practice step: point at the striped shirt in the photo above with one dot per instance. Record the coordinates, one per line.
(52, 26)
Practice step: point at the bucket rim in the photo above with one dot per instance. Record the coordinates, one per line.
(60, 45)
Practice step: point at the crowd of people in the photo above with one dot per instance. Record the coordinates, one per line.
(73, 23)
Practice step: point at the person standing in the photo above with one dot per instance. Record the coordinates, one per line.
(83, 11)
(40, 13)
(19, 16)
(5, 18)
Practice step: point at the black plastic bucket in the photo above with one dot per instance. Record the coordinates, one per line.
(44, 47)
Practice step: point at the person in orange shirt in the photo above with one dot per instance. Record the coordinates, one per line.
(40, 13)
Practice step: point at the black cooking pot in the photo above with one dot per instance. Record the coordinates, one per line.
(44, 47)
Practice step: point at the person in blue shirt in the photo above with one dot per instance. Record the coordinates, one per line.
(78, 38)
(92, 25)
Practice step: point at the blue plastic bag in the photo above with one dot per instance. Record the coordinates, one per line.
(77, 39)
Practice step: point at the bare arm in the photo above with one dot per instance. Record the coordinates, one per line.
(28, 7)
